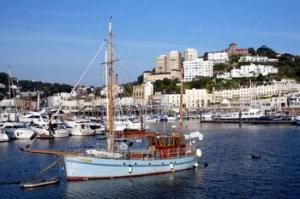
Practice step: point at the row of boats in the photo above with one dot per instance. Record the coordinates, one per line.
(36, 124)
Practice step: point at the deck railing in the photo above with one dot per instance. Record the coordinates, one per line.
(150, 154)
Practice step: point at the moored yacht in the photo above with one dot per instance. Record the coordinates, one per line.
(130, 153)
(79, 129)
(17, 130)
(250, 114)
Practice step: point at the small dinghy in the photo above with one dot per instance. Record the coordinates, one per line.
(50, 181)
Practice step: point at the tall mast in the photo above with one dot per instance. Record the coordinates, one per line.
(110, 88)
(9, 82)
(181, 100)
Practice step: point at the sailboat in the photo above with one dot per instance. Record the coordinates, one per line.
(158, 153)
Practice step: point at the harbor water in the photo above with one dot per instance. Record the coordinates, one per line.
(226, 169)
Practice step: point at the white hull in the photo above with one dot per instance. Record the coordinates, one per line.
(75, 132)
(85, 167)
(23, 134)
(3, 137)
(61, 133)
(40, 131)
(297, 120)
(16, 130)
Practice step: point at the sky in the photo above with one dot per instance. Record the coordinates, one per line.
(54, 41)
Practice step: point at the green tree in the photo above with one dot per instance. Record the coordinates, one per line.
(251, 51)
(234, 59)
(266, 51)
(140, 79)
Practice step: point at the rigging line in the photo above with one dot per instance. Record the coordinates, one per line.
(75, 86)
(120, 66)
(82, 76)
(122, 72)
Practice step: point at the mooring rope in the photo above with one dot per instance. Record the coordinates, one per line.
(34, 176)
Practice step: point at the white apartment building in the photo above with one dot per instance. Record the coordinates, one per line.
(277, 88)
(218, 57)
(197, 67)
(190, 54)
(256, 59)
(253, 70)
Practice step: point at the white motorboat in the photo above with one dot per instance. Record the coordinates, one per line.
(171, 118)
(59, 130)
(251, 113)
(122, 123)
(79, 129)
(208, 116)
(41, 130)
(97, 127)
(94, 124)
(150, 118)
(34, 117)
(3, 136)
(17, 130)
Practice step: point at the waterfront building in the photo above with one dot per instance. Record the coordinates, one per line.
(267, 104)
(141, 93)
(190, 54)
(161, 64)
(276, 88)
(218, 57)
(193, 99)
(233, 50)
(197, 98)
(253, 59)
(196, 68)
(152, 77)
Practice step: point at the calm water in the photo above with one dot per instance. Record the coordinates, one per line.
(230, 172)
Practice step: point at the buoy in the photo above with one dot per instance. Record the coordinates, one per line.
(199, 153)
(196, 164)
(172, 167)
(130, 169)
